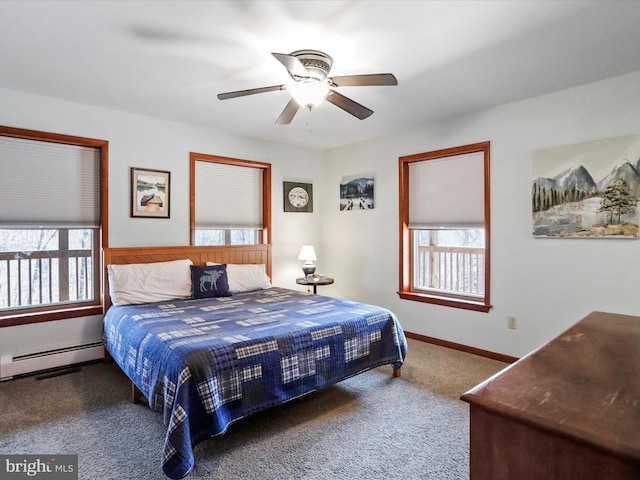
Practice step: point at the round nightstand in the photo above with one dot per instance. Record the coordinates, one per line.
(315, 283)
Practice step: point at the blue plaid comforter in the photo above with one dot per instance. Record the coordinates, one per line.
(207, 363)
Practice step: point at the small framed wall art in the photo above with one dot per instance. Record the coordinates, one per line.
(150, 190)
(356, 192)
(298, 197)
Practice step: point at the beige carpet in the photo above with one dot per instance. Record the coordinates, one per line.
(371, 426)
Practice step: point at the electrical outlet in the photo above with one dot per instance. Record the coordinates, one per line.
(511, 322)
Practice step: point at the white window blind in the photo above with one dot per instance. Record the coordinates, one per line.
(227, 196)
(48, 184)
(447, 192)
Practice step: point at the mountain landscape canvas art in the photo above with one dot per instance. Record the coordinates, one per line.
(357, 192)
(587, 190)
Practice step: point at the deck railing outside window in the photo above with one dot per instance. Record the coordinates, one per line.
(47, 277)
(457, 270)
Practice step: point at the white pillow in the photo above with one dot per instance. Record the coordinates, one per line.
(149, 282)
(246, 277)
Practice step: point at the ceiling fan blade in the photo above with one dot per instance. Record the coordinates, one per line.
(348, 105)
(288, 113)
(364, 80)
(292, 64)
(252, 91)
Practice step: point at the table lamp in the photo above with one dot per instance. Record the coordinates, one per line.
(308, 254)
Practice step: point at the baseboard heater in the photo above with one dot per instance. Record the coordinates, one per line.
(11, 366)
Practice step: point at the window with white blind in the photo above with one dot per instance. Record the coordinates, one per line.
(231, 201)
(50, 224)
(444, 227)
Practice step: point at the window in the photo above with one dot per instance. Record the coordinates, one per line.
(50, 226)
(230, 201)
(444, 227)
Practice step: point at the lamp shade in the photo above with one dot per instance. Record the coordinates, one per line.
(307, 253)
(309, 93)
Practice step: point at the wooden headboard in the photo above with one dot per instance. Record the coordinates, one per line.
(198, 255)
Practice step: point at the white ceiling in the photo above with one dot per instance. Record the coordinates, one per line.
(169, 59)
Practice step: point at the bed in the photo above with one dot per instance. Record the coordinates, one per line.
(208, 362)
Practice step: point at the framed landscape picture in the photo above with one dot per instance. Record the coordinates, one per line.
(587, 190)
(357, 192)
(150, 191)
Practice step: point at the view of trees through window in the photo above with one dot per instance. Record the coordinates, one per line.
(452, 238)
(226, 236)
(45, 266)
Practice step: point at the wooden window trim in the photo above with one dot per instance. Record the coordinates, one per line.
(46, 314)
(266, 190)
(406, 256)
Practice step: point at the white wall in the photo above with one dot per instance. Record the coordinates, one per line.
(547, 284)
(139, 141)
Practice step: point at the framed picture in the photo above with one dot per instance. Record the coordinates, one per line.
(587, 190)
(150, 191)
(298, 197)
(356, 192)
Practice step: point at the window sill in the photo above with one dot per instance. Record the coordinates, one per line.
(51, 315)
(454, 302)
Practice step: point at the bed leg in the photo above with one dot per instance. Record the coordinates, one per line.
(107, 357)
(397, 372)
(135, 393)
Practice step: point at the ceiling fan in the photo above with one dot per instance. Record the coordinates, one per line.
(310, 71)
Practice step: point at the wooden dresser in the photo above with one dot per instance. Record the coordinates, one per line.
(568, 410)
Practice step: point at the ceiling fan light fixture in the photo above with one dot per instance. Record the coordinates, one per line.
(309, 93)
(310, 70)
